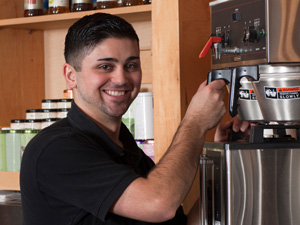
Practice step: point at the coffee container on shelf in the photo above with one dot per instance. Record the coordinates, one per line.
(143, 116)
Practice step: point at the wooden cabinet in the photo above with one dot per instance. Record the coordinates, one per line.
(172, 34)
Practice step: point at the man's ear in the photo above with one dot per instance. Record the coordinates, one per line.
(70, 75)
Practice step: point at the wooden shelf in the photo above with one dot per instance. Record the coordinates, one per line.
(57, 21)
(10, 181)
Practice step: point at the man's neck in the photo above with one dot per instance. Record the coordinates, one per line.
(110, 125)
(112, 129)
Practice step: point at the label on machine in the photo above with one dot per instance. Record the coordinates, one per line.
(247, 94)
(282, 92)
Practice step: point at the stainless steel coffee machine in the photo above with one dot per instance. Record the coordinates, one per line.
(255, 179)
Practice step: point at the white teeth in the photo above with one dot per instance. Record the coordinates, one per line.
(115, 93)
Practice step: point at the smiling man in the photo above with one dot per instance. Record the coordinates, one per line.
(107, 81)
(87, 168)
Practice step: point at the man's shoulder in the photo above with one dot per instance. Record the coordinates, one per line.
(59, 134)
(56, 130)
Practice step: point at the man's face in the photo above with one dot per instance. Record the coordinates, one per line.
(110, 78)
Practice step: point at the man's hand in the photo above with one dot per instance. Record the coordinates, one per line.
(207, 107)
(223, 129)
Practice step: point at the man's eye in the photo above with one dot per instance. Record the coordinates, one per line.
(132, 66)
(105, 67)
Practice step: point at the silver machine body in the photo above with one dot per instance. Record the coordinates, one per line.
(244, 184)
(255, 32)
(255, 180)
(263, 34)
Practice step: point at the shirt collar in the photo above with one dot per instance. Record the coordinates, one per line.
(82, 122)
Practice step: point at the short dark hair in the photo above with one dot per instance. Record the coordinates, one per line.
(89, 31)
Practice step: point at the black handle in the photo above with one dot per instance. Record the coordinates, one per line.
(218, 75)
(238, 73)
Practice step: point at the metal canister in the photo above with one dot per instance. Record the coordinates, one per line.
(143, 116)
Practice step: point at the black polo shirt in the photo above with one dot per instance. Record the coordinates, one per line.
(72, 173)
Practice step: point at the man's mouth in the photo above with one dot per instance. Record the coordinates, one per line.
(115, 93)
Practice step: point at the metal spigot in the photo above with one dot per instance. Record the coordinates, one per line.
(217, 50)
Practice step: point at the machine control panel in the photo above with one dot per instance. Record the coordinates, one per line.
(241, 25)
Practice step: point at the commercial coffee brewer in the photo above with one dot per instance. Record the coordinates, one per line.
(255, 180)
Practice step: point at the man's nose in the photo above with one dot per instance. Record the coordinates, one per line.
(119, 76)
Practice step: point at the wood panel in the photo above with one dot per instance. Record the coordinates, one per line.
(194, 32)
(11, 9)
(166, 73)
(54, 59)
(12, 181)
(146, 61)
(144, 32)
(21, 73)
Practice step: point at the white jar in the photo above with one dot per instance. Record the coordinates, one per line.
(48, 113)
(17, 124)
(33, 124)
(62, 113)
(48, 122)
(49, 103)
(64, 103)
(33, 114)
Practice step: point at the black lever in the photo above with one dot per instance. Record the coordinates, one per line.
(218, 75)
(237, 74)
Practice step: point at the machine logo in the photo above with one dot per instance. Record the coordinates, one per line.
(271, 92)
(244, 94)
(247, 94)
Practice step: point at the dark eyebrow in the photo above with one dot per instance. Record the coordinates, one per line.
(115, 60)
(133, 58)
(108, 59)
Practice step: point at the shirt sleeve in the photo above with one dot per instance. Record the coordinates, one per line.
(179, 219)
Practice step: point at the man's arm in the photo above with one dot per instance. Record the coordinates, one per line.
(157, 197)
